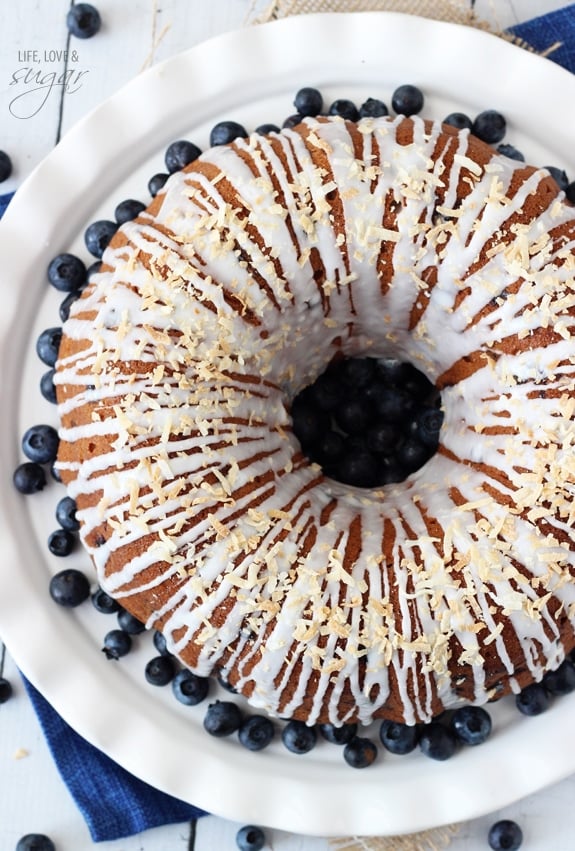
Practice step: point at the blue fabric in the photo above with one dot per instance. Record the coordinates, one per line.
(4, 201)
(554, 28)
(113, 802)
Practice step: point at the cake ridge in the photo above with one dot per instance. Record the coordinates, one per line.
(250, 271)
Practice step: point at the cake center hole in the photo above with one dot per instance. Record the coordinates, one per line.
(368, 422)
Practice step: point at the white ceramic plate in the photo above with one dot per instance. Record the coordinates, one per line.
(250, 76)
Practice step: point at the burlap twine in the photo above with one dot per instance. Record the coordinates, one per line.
(457, 12)
(454, 11)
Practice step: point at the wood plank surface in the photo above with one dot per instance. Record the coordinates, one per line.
(137, 33)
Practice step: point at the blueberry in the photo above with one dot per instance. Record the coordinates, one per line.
(345, 109)
(326, 392)
(250, 838)
(190, 689)
(511, 152)
(412, 455)
(373, 108)
(160, 643)
(398, 738)
(35, 842)
(256, 732)
(309, 423)
(156, 183)
(360, 752)
(391, 472)
(180, 154)
(570, 192)
(561, 681)
(559, 176)
(407, 100)
(83, 20)
(358, 469)
(532, 700)
(505, 835)
(471, 724)
(93, 269)
(391, 370)
(292, 120)
(5, 690)
(127, 210)
(97, 236)
(330, 448)
(29, 477)
(489, 126)
(298, 737)
(459, 120)
(354, 415)
(383, 437)
(55, 472)
(358, 372)
(391, 404)
(67, 273)
(428, 422)
(437, 741)
(69, 588)
(225, 132)
(117, 643)
(103, 603)
(308, 101)
(48, 345)
(222, 718)
(5, 166)
(47, 387)
(129, 623)
(160, 670)
(338, 735)
(40, 443)
(415, 383)
(266, 129)
(66, 514)
(61, 543)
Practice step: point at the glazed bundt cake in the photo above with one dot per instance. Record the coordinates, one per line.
(256, 267)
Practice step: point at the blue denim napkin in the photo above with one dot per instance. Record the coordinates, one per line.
(113, 802)
(555, 28)
(4, 201)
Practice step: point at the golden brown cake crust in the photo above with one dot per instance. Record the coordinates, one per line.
(254, 268)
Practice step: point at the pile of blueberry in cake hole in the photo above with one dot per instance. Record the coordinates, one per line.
(367, 422)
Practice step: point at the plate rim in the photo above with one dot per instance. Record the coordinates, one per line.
(285, 803)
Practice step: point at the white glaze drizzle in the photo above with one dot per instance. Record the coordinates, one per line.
(403, 590)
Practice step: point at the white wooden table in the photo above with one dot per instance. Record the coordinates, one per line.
(136, 34)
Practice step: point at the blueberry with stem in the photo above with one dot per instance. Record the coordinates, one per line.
(117, 643)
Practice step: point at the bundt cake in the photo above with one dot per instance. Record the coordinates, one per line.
(247, 275)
